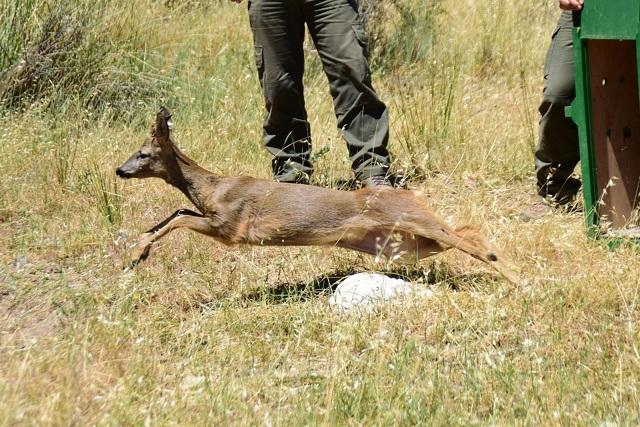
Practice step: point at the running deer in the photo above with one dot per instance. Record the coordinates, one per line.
(393, 223)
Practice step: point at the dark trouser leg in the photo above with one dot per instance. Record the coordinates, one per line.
(557, 153)
(338, 34)
(278, 33)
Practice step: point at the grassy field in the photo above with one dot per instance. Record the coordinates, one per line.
(204, 334)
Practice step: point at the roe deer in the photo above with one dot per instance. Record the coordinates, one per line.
(384, 221)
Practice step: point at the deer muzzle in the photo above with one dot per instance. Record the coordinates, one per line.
(122, 173)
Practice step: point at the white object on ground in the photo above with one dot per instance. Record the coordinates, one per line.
(366, 290)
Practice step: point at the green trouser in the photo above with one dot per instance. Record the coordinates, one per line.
(338, 35)
(557, 153)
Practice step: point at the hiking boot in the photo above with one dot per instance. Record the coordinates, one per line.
(377, 181)
(560, 194)
(293, 176)
(388, 180)
(554, 196)
(291, 171)
(570, 205)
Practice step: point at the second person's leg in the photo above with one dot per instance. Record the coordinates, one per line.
(557, 153)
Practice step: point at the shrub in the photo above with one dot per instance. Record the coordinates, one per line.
(56, 53)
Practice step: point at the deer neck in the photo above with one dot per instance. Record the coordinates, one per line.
(194, 181)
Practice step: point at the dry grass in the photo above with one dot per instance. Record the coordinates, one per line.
(202, 334)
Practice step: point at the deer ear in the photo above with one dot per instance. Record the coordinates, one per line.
(163, 124)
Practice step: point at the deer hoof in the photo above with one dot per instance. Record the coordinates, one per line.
(140, 253)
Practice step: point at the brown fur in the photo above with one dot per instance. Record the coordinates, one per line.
(393, 223)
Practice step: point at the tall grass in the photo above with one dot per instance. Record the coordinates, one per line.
(15, 31)
(400, 33)
(105, 192)
(209, 335)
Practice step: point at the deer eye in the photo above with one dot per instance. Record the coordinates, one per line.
(143, 156)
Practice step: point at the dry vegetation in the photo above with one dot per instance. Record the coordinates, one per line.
(203, 334)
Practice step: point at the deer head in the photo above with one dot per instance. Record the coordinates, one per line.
(156, 158)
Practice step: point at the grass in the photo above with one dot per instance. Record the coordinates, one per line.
(204, 334)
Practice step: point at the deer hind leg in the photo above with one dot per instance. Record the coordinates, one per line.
(179, 219)
(414, 248)
(466, 239)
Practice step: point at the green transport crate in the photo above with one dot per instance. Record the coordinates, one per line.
(607, 112)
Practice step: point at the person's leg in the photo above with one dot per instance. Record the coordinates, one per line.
(278, 33)
(338, 34)
(557, 153)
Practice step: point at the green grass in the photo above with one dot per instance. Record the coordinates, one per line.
(205, 334)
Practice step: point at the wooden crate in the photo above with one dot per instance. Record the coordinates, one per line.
(607, 113)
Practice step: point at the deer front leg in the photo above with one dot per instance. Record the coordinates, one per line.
(180, 218)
